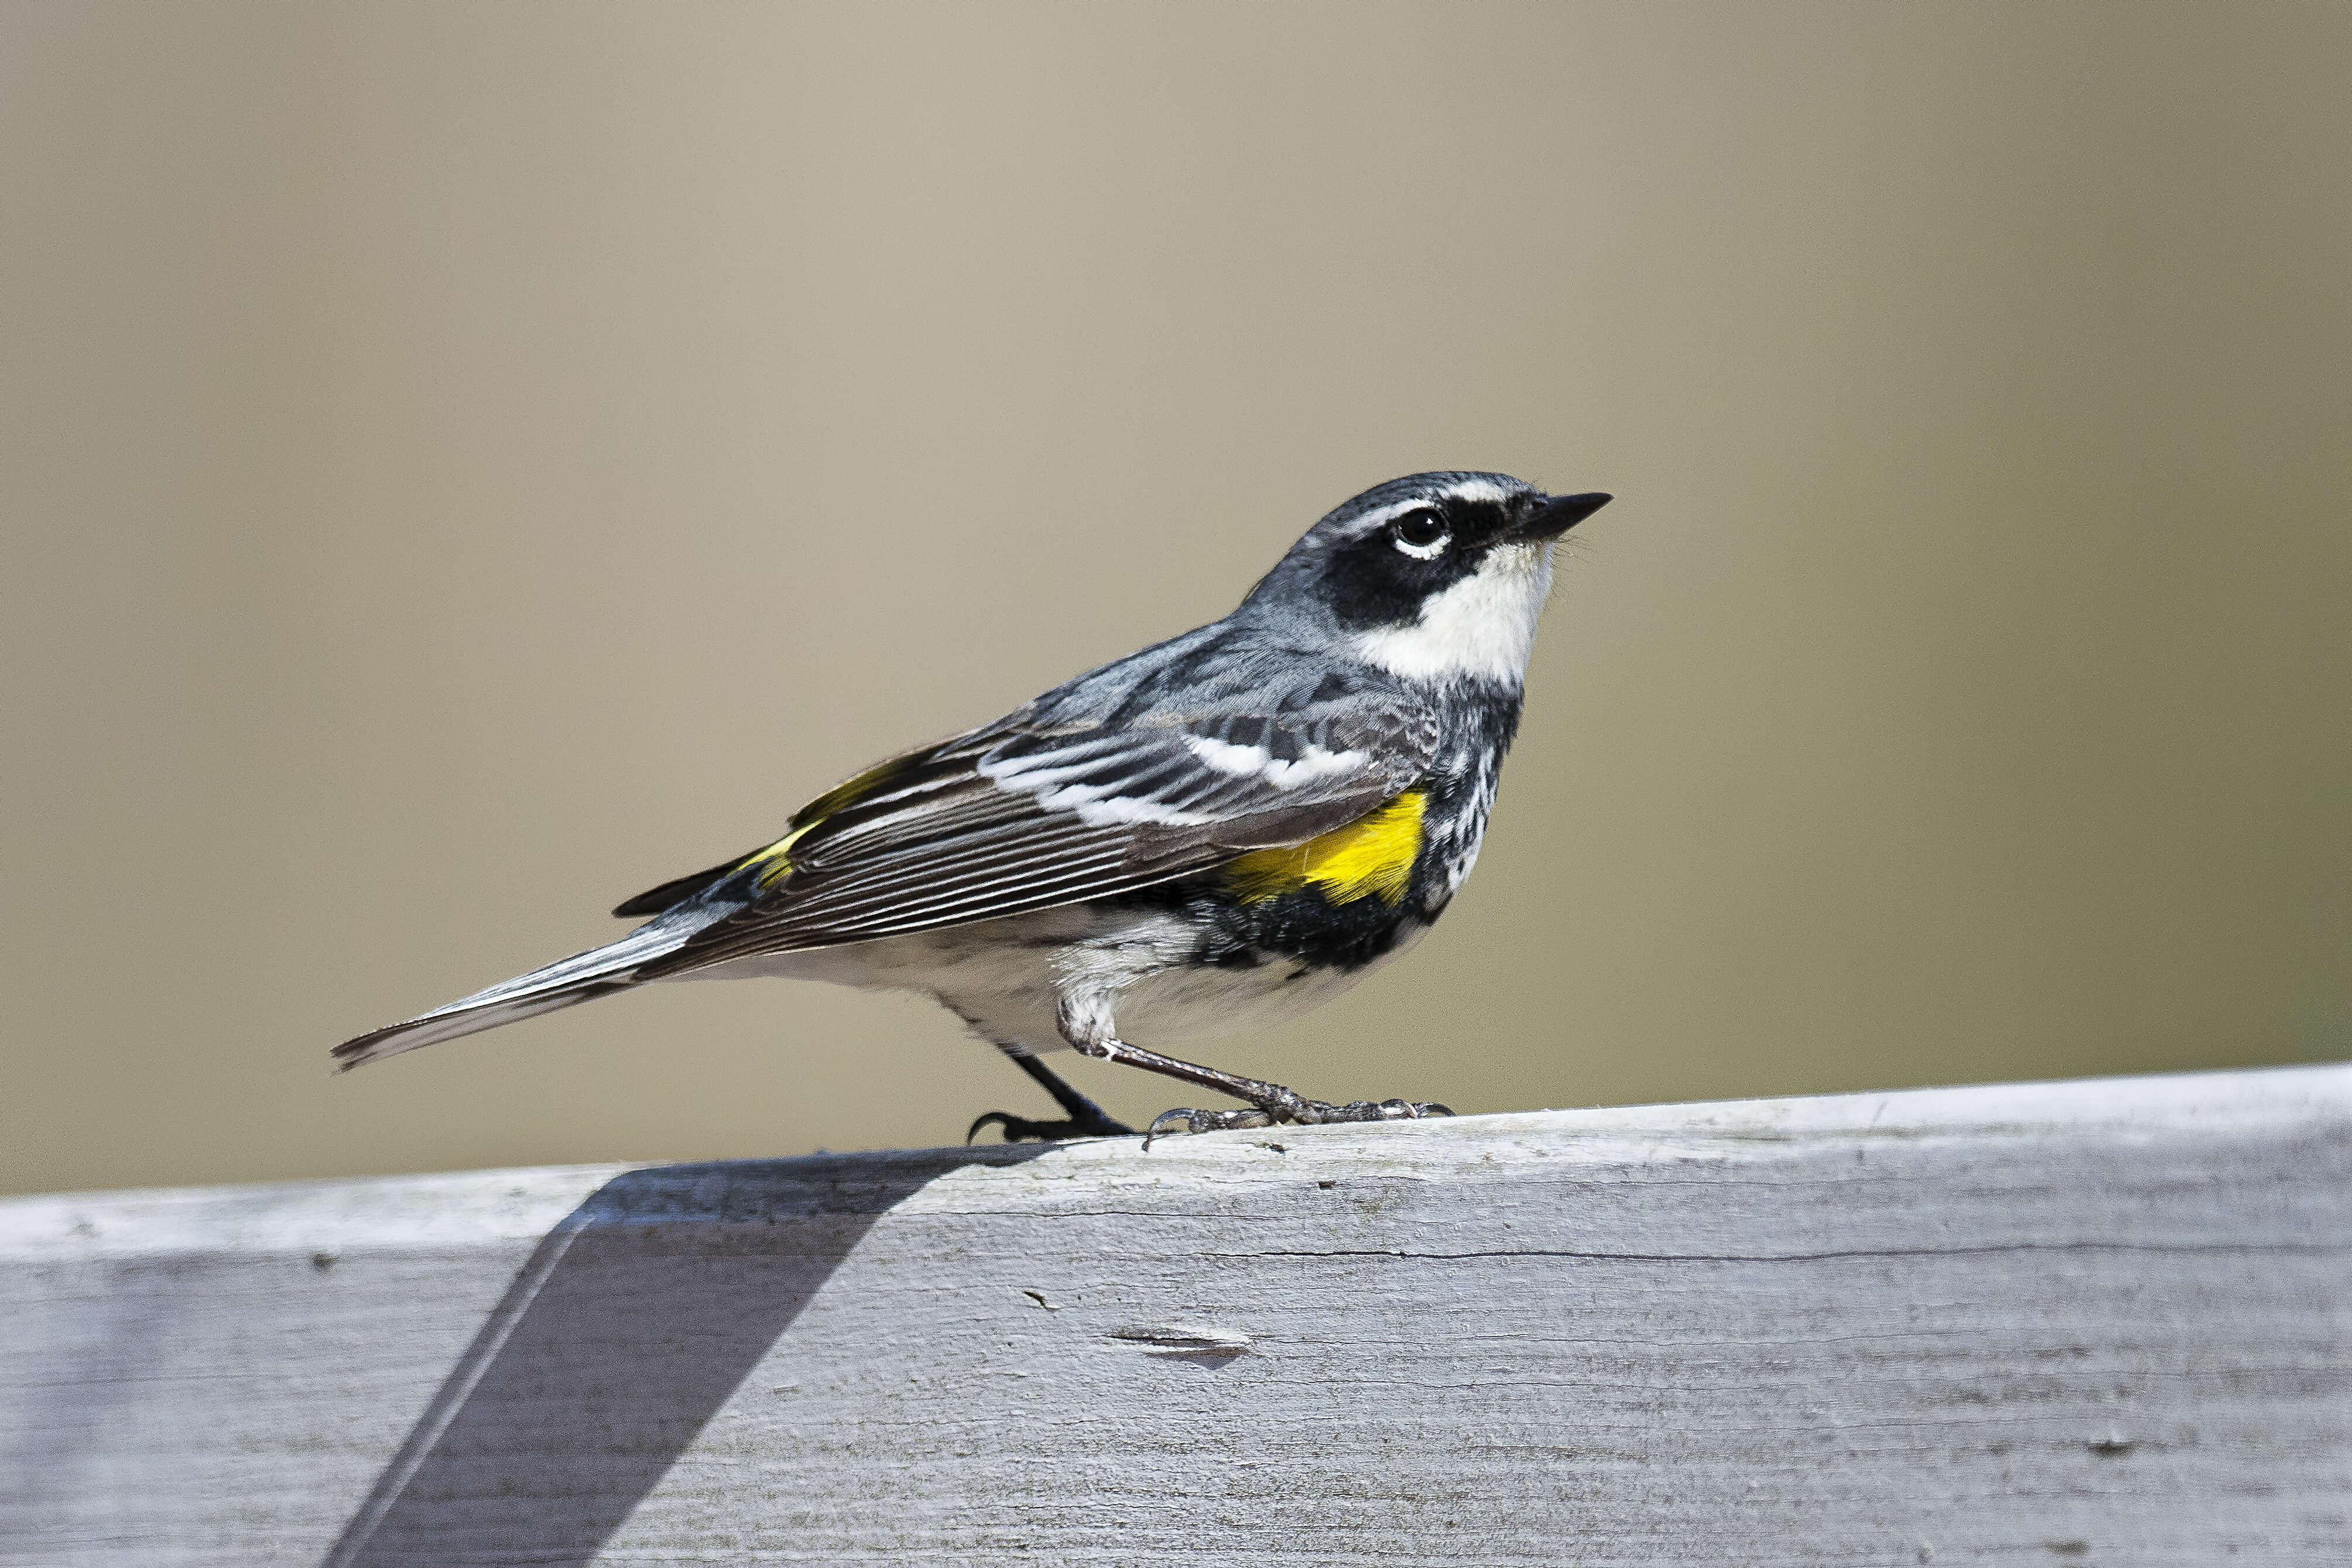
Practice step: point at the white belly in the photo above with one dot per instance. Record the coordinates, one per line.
(1010, 978)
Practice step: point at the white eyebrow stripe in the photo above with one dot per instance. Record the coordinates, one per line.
(1465, 490)
(1380, 518)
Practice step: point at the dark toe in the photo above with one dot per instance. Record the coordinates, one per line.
(1374, 1111)
(1020, 1129)
(1185, 1121)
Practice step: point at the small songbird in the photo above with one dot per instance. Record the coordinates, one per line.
(1216, 832)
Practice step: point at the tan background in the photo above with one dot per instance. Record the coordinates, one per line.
(463, 465)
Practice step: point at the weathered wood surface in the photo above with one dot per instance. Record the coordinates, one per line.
(2088, 1322)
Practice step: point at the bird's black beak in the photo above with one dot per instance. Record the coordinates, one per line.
(1555, 515)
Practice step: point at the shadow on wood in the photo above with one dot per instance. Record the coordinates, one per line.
(632, 1321)
(2102, 1322)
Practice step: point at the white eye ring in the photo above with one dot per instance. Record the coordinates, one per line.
(1422, 550)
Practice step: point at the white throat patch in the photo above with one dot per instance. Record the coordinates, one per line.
(1483, 627)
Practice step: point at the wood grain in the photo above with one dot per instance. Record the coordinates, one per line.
(2051, 1324)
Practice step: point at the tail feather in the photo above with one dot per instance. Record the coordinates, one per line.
(579, 978)
(654, 900)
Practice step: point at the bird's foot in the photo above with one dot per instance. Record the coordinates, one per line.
(1305, 1112)
(1085, 1119)
(1019, 1128)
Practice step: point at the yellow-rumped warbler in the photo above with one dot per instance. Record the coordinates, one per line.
(1217, 831)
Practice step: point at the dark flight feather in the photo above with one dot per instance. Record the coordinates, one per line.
(654, 900)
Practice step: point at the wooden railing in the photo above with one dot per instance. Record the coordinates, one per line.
(2083, 1322)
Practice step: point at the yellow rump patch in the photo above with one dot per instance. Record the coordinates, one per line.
(1371, 855)
(775, 860)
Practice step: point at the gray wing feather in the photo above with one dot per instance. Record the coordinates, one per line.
(1169, 762)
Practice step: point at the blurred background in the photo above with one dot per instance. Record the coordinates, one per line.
(463, 465)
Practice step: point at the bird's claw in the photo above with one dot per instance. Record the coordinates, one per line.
(1305, 1112)
(1181, 1121)
(1020, 1128)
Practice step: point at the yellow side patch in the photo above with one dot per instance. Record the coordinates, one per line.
(1371, 855)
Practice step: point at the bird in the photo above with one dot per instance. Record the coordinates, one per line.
(1207, 836)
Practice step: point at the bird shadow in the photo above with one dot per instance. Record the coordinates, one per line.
(629, 1326)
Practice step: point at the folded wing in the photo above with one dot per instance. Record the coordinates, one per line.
(1169, 764)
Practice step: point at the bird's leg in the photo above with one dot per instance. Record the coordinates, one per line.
(1086, 1120)
(1269, 1102)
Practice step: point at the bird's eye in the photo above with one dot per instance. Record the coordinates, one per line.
(1420, 534)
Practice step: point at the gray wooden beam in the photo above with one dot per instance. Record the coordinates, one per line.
(2047, 1324)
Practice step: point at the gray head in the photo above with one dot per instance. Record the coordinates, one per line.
(1433, 577)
